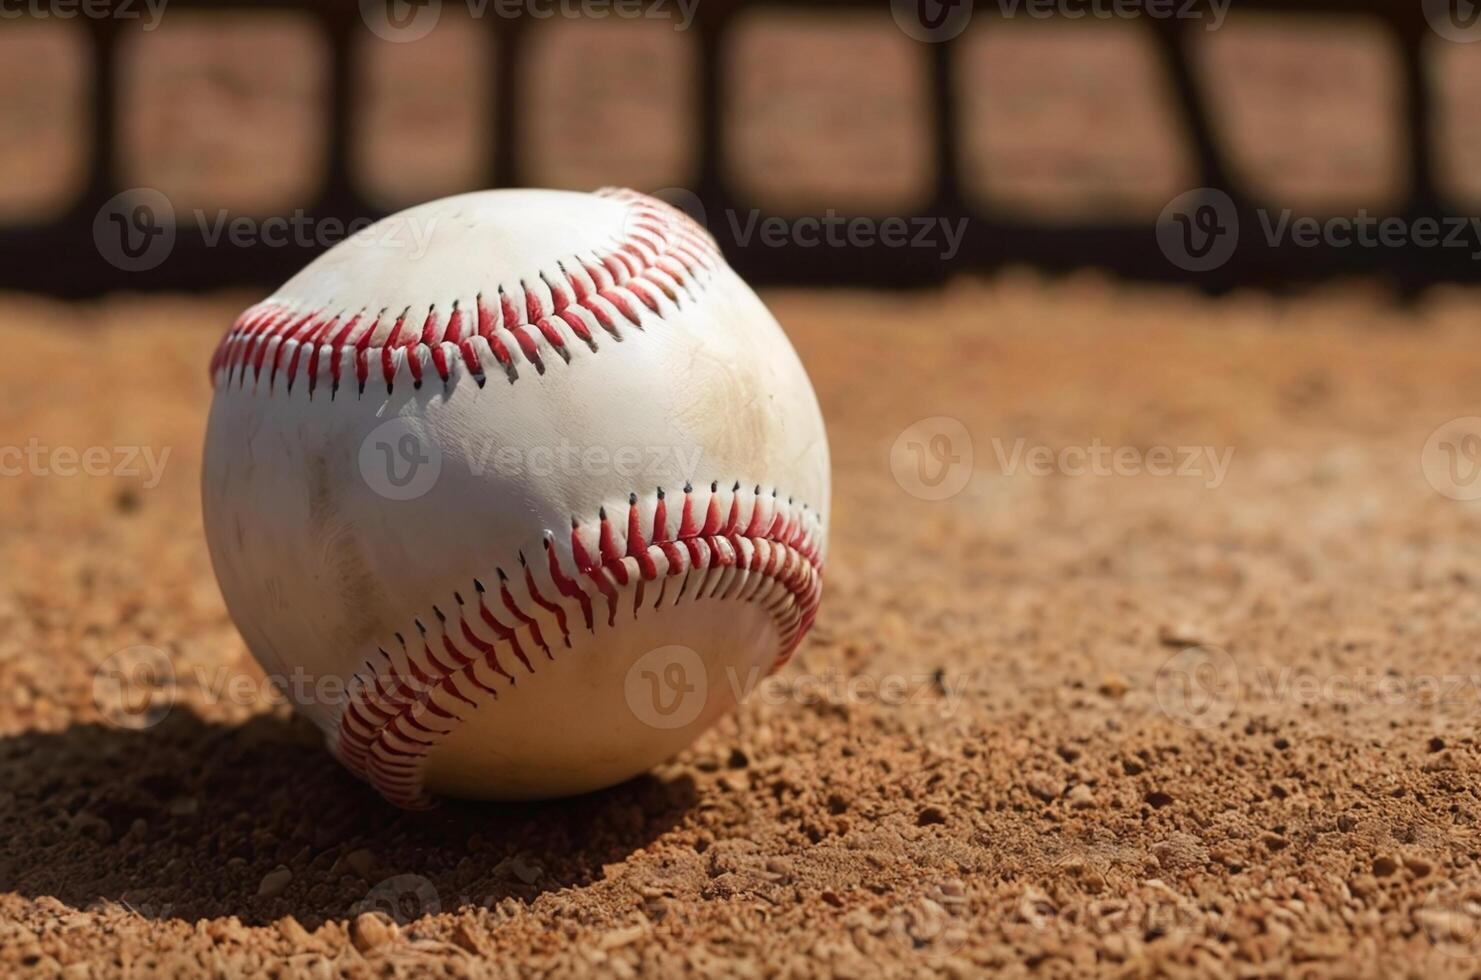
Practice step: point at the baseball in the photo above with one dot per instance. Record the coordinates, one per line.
(515, 492)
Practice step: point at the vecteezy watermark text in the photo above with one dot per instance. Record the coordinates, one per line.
(403, 21)
(1200, 230)
(830, 229)
(1208, 463)
(149, 11)
(833, 230)
(1202, 687)
(631, 462)
(934, 21)
(401, 459)
(1364, 230)
(1214, 11)
(305, 231)
(668, 687)
(36, 458)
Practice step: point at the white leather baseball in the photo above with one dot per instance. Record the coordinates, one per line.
(515, 492)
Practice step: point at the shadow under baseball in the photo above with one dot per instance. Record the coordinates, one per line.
(192, 819)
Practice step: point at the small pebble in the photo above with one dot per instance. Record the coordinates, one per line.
(362, 862)
(274, 882)
(524, 870)
(371, 930)
(1179, 636)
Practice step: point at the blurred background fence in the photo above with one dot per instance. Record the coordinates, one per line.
(727, 103)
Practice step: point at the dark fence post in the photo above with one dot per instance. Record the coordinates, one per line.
(338, 193)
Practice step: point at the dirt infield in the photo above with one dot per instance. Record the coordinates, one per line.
(1179, 680)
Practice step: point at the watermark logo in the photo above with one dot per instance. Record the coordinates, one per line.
(1451, 918)
(1451, 458)
(405, 898)
(1199, 230)
(932, 21)
(1206, 463)
(1454, 20)
(1198, 686)
(135, 689)
(1214, 11)
(135, 229)
(934, 923)
(932, 458)
(401, 21)
(667, 688)
(399, 461)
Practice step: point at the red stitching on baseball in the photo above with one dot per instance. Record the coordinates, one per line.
(663, 255)
(774, 560)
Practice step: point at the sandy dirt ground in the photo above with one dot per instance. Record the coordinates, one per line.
(1080, 716)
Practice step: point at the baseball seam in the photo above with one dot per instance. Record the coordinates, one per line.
(662, 258)
(755, 547)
